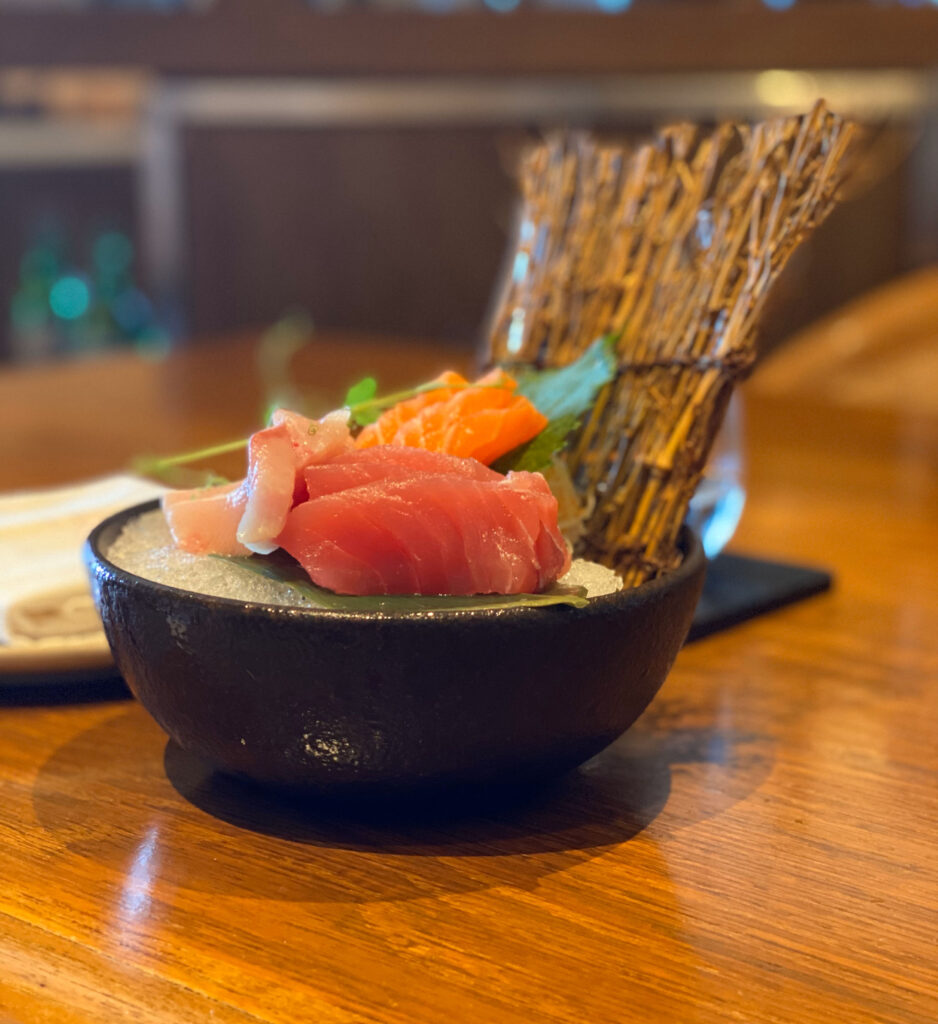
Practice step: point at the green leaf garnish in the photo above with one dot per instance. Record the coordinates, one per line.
(535, 455)
(359, 398)
(280, 568)
(564, 396)
(570, 389)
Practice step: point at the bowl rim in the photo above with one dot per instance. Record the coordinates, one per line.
(693, 559)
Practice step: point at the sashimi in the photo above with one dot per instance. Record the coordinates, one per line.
(480, 421)
(384, 429)
(271, 485)
(387, 462)
(277, 457)
(246, 516)
(431, 533)
(205, 520)
(315, 440)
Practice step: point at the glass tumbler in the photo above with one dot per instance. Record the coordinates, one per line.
(717, 505)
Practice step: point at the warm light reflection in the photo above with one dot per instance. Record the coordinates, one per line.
(779, 88)
(135, 899)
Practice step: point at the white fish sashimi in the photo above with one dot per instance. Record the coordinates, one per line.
(316, 441)
(277, 457)
(270, 483)
(205, 520)
(246, 516)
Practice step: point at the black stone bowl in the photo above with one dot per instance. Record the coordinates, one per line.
(370, 704)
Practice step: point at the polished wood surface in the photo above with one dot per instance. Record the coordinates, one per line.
(879, 351)
(760, 847)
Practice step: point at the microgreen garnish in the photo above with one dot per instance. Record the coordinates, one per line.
(161, 467)
(361, 393)
(276, 350)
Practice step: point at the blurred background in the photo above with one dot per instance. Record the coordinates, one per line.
(171, 170)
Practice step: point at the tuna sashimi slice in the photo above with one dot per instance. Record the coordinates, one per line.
(388, 462)
(431, 534)
(534, 512)
(205, 520)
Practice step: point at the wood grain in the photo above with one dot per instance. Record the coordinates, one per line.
(880, 350)
(760, 847)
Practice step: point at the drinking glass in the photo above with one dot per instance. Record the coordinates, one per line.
(718, 503)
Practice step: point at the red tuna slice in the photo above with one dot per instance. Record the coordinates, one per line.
(205, 520)
(539, 508)
(388, 462)
(277, 457)
(432, 535)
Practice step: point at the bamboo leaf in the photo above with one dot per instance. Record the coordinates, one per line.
(280, 568)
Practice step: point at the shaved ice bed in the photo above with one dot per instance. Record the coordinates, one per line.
(145, 548)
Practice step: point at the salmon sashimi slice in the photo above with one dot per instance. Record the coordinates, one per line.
(383, 430)
(387, 462)
(277, 457)
(434, 533)
(205, 520)
(481, 421)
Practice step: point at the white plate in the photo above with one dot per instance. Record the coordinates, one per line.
(55, 659)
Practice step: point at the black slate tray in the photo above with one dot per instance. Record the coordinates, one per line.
(741, 587)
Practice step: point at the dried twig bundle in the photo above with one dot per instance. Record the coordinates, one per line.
(671, 246)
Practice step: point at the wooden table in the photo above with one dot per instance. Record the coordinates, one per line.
(761, 847)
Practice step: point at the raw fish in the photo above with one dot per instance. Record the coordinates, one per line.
(430, 532)
(277, 457)
(205, 520)
(246, 516)
(387, 463)
(481, 421)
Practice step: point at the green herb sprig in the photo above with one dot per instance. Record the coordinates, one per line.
(563, 395)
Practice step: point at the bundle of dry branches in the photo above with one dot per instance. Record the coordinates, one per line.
(671, 246)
